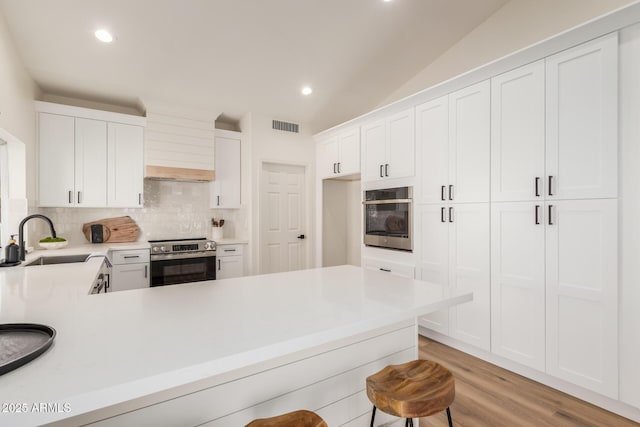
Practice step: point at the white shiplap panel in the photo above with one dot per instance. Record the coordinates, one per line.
(180, 142)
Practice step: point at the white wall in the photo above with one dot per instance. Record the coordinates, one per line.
(516, 25)
(263, 144)
(17, 112)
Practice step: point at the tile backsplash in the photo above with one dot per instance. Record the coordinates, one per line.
(172, 209)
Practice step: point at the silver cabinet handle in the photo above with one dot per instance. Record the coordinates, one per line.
(70, 196)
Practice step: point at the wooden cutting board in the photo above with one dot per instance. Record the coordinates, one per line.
(115, 230)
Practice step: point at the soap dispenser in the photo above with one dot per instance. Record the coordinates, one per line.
(12, 254)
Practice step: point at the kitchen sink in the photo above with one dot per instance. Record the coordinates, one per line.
(61, 259)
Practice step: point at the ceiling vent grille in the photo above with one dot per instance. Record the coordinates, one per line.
(286, 127)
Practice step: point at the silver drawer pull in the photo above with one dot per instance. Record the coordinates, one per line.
(131, 256)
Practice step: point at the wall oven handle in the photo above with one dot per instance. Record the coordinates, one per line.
(386, 202)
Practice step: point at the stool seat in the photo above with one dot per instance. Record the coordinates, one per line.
(292, 419)
(414, 389)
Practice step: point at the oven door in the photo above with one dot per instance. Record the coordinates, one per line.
(171, 269)
(388, 224)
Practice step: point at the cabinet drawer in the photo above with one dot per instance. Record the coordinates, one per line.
(397, 269)
(130, 257)
(228, 250)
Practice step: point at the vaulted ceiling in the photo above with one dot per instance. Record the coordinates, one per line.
(236, 56)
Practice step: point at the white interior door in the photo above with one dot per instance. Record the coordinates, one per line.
(282, 218)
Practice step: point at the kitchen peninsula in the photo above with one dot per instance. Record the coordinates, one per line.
(216, 353)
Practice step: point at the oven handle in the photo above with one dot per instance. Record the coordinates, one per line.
(164, 257)
(386, 202)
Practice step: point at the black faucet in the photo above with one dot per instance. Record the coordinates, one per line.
(21, 233)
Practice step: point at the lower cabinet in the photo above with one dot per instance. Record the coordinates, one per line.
(394, 268)
(229, 261)
(130, 269)
(453, 252)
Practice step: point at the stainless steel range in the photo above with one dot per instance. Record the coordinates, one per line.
(182, 261)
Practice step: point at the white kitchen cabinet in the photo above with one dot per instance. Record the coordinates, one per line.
(230, 261)
(518, 282)
(453, 252)
(339, 155)
(582, 293)
(72, 158)
(582, 121)
(131, 269)
(432, 151)
(124, 165)
(88, 162)
(453, 146)
(393, 268)
(432, 243)
(388, 147)
(225, 190)
(518, 134)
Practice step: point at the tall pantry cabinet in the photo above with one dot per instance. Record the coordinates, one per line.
(452, 208)
(554, 215)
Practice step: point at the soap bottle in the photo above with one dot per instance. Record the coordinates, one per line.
(12, 254)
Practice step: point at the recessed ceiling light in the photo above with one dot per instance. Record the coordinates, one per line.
(386, 1)
(104, 36)
(307, 90)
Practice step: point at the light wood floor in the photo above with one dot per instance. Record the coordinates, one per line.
(487, 395)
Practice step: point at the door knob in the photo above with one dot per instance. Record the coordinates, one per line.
(301, 236)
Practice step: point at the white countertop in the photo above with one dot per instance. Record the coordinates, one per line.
(111, 348)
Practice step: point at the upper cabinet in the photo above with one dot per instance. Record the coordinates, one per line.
(225, 190)
(339, 155)
(517, 134)
(388, 147)
(86, 161)
(582, 121)
(453, 145)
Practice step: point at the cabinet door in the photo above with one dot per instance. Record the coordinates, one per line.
(373, 151)
(469, 143)
(328, 155)
(401, 142)
(432, 243)
(226, 187)
(91, 163)
(582, 121)
(349, 155)
(517, 134)
(469, 271)
(517, 283)
(129, 276)
(56, 160)
(582, 296)
(229, 266)
(432, 150)
(126, 166)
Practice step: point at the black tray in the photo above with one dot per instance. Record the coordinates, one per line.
(20, 343)
(10, 264)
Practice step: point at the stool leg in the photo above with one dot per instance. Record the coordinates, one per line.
(449, 417)
(373, 415)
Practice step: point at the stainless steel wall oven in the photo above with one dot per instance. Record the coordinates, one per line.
(388, 218)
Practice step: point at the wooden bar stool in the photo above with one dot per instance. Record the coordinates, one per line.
(291, 419)
(412, 390)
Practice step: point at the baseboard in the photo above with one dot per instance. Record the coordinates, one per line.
(604, 402)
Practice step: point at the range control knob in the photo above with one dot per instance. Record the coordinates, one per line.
(163, 249)
(208, 246)
(155, 249)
